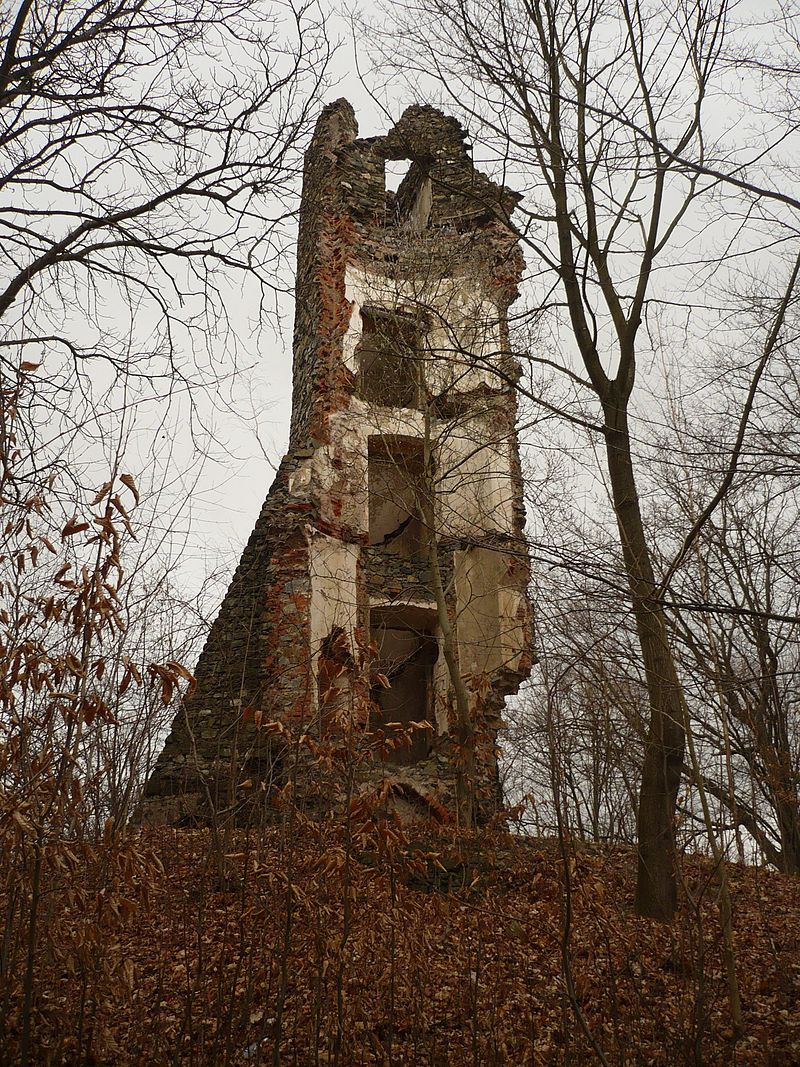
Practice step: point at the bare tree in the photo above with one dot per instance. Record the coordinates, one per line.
(147, 163)
(148, 153)
(738, 652)
(599, 108)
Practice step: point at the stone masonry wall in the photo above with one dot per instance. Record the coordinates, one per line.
(299, 603)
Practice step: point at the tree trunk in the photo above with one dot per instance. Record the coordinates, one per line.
(789, 826)
(656, 885)
(465, 730)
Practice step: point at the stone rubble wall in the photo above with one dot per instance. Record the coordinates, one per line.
(307, 565)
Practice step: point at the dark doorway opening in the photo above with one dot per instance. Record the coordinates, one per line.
(389, 358)
(407, 652)
(396, 484)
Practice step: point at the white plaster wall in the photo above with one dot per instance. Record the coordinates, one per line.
(336, 475)
(478, 574)
(475, 489)
(332, 565)
(464, 324)
(340, 473)
(513, 610)
(466, 334)
(490, 615)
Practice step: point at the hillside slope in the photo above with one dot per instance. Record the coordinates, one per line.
(304, 947)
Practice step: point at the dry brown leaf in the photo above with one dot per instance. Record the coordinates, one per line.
(129, 483)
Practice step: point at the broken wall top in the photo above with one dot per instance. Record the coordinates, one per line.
(463, 202)
(446, 218)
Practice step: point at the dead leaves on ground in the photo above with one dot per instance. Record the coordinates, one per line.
(292, 940)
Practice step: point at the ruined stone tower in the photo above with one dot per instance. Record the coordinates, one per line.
(394, 523)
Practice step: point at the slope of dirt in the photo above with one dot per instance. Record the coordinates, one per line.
(308, 946)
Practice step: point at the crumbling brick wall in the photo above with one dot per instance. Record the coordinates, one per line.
(309, 579)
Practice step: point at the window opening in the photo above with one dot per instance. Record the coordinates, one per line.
(388, 359)
(395, 170)
(396, 485)
(407, 652)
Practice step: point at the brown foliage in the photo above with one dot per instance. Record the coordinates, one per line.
(450, 953)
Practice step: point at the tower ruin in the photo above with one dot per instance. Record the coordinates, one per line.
(395, 522)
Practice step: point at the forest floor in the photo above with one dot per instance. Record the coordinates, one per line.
(312, 945)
